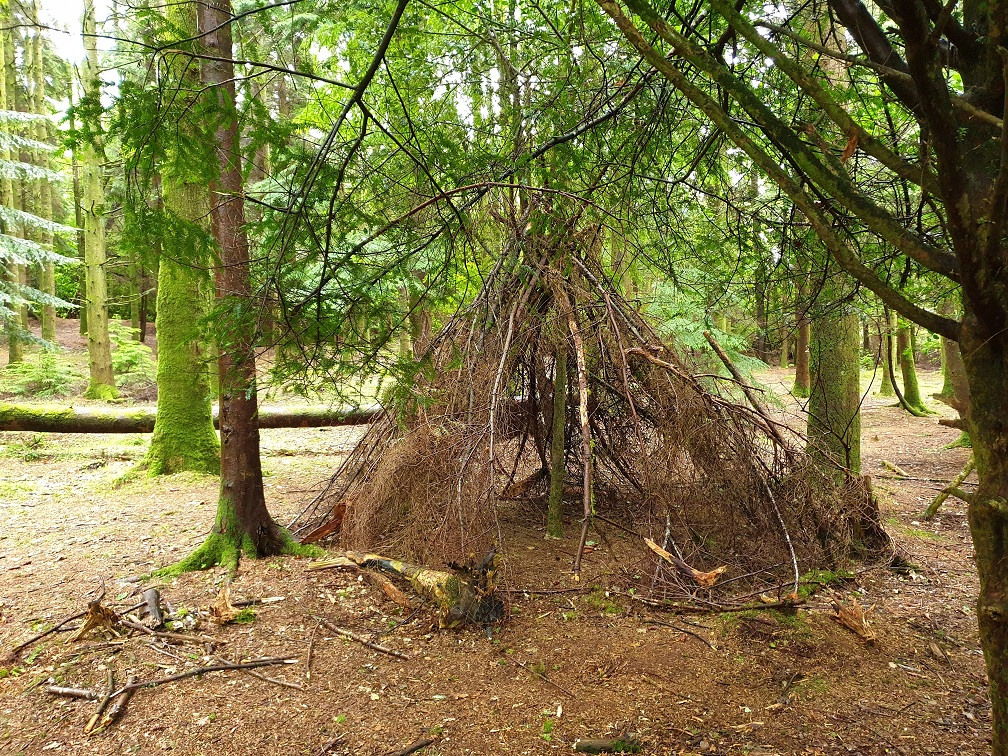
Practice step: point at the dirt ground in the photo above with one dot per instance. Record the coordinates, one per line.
(570, 660)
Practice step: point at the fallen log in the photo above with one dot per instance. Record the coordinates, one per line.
(49, 419)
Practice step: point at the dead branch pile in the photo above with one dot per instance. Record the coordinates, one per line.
(713, 479)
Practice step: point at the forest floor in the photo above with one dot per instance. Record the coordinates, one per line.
(572, 661)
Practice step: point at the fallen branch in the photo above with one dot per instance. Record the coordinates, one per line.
(653, 621)
(14, 417)
(81, 693)
(705, 579)
(423, 743)
(344, 633)
(89, 728)
(252, 664)
(267, 678)
(628, 743)
(18, 649)
(952, 489)
(185, 638)
(118, 706)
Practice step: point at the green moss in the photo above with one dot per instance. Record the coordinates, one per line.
(816, 580)
(184, 437)
(227, 543)
(963, 442)
(101, 391)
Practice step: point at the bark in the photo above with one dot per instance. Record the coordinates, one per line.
(558, 456)
(803, 378)
(102, 382)
(47, 283)
(184, 436)
(35, 419)
(243, 522)
(834, 407)
(886, 388)
(14, 350)
(985, 358)
(78, 200)
(908, 367)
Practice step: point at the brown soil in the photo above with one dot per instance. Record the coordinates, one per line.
(580, 660)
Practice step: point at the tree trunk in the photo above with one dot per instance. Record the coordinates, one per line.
(908, 367)
(803, 377)
(834, 407)
(888, 335)
(558, 456)
(35, 419)
(78, 201)
(102, 382)
(47, 284)
(986, 362)
(242, 524)
(184, 436)
(14, 351)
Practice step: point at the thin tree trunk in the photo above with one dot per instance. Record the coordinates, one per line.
(45, 203)
(102, 382)
(79, 222)
(242, 515)
(14, 350)
(908, 367)
(558, 456)
(888, 334)
(802, 382)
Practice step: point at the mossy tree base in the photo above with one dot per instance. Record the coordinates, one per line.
(102, 392)
(228, 542)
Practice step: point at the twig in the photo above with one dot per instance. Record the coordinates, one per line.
(653, 621)
(267, 678)
(173, 636)
(134, 685)
(89, 728)
(413, 748)
(311, 651)
(329, 745)
(82, 693)
(18, 649)
(343, 632)
(542, 677)
(119, 705)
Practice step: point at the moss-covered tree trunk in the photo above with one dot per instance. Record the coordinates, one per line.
(834, 407)
(15, 352)
(558, 458)
(887, 351)
(985, 358)
(242, 524)
(44, 199)
(102, 382)
(908, 368)
(184, 437)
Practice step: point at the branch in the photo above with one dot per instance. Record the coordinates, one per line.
(773, 168)
(832, 181)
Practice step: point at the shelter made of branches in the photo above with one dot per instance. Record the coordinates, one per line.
(674, 453)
